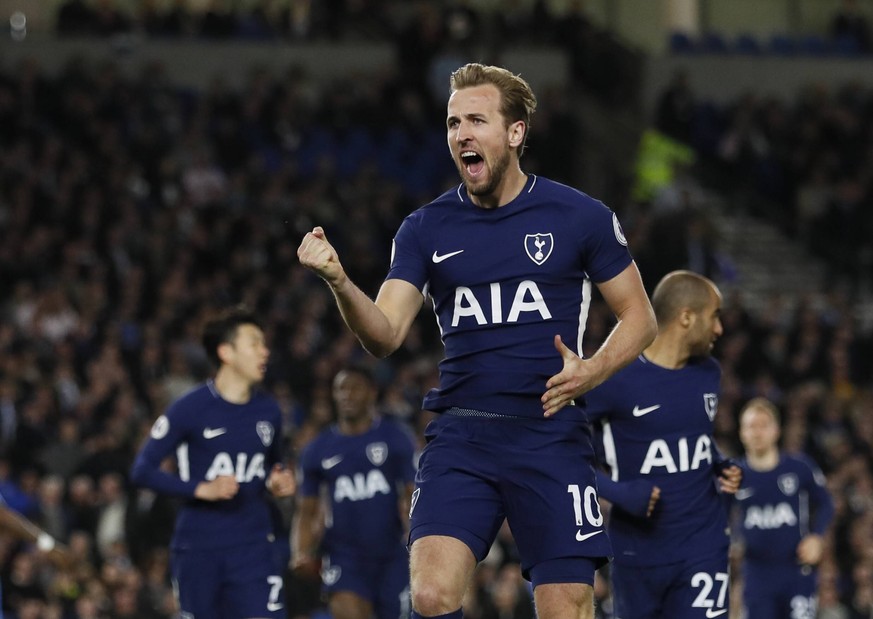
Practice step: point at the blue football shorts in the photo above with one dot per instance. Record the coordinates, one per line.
(229, 583)
(382, 582)
(780, 590)
(535, 473)
(698, 588)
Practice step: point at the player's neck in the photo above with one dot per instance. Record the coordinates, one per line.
(763, 461)
(667, 352)
(356, 425)
(512, 184)
(232, 387)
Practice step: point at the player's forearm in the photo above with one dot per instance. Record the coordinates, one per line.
(149, 476)
(633, 496)
(824, 512)
(15, 524)
(365, 319)
(21, 528)
(307, 531)
(305, 540)
(635, 330)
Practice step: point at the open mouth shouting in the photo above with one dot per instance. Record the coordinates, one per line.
(473, 163)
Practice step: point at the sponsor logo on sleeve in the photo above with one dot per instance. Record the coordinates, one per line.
(160, 427)
(619, 233)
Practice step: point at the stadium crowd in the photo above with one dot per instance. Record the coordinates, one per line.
(131, 208)
(422, 32)
(802, 163)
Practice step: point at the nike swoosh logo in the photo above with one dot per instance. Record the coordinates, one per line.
(274, 606)
(329, 463)
(639, 412)
(582, 538)
(715, 613)
(213, 432)
(437, 258)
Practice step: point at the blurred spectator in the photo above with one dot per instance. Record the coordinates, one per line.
(75, 18)
(177, 21)
(109, 19)
(217, 22)
(52, 513)
(63, 455)
(850, 23)
(112, 508)
(675, 109)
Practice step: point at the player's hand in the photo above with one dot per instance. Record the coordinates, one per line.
(730, 478)
(810, 549)
(653, 500)
(318, 255)
(219, 489)
(572, 381)
(281, 482)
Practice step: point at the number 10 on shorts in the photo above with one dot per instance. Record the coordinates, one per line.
(586, 508)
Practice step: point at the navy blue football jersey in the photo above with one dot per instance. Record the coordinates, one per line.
(361, 478)
(777, 508)
(504, 282)
(211, 437)
(657, 426)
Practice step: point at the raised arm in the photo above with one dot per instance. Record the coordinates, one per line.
(381, 325)
(635, 329)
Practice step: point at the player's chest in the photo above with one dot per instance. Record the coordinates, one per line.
(354, 461)
(776, 488)
(679, 408)
(254, 433)
(483, 254)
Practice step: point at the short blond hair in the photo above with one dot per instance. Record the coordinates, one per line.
(764, 404)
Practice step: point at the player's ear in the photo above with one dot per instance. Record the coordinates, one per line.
(224, 350)
(516, 133)
(686, 317)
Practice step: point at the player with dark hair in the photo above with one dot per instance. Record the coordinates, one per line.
(671, 562)
(356, 482)
(784, 510)
(509, 260)
(226, 436)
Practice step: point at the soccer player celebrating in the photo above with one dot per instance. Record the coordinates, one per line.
(657, 420)
(356, 482)
(508, 259)
(784, 510)
(226, 435)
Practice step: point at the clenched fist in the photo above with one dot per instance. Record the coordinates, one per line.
(318, 255)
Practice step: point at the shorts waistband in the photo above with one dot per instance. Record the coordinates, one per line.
(472, 412)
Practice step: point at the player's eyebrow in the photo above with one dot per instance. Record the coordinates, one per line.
(468, 116)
